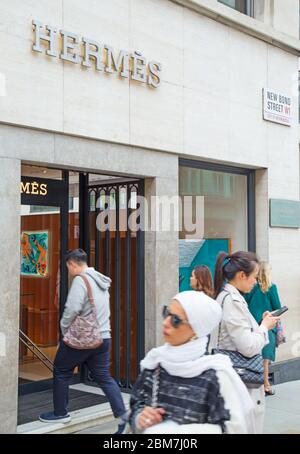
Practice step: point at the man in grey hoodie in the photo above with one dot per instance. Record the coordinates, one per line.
(97, 359)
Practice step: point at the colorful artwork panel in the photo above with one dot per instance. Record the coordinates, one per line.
(34, 254)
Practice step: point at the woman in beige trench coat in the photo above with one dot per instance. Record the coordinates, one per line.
(235, 275)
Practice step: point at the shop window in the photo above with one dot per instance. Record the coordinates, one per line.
(243, 6)
(223, 216)
(41, 172)
(47, 209)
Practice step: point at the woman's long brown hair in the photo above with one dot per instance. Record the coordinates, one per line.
(204, 280)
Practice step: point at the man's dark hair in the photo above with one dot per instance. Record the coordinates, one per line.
(78, 256)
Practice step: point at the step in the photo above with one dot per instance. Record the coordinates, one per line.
(108, 428)
(85, 418)
(81, 420)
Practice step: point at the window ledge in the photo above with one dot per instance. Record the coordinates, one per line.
(246, 24)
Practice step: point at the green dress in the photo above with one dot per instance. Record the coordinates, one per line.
(260, 302)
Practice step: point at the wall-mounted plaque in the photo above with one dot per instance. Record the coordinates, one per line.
(285, 213)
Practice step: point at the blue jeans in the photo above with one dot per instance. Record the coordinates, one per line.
(98, 361)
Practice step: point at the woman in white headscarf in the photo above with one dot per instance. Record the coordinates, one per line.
(182, 390)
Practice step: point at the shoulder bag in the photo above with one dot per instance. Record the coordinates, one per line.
(84, 332)
(250, 370)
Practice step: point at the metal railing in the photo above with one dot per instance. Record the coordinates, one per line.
(36, 351)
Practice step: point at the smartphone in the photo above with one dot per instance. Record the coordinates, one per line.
(280, 311)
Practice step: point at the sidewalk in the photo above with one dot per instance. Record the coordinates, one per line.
(283, 410)
(282, 413)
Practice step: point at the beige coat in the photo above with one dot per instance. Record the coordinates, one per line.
(240, 331)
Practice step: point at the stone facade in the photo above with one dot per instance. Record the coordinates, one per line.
(215, 63)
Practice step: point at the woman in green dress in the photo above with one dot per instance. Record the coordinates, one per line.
(264, 297)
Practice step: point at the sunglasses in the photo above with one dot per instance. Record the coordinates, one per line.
(175, 320)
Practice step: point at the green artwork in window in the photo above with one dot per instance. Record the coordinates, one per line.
(193, 253)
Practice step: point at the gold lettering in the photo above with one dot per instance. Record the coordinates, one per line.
(25, 187)
(35, 188)
(43, 189)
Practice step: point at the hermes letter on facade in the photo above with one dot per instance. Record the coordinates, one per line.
(85, 51)
(34, 188)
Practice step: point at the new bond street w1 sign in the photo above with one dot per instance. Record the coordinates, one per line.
(277, 107)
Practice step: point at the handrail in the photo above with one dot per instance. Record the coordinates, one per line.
(36, 351)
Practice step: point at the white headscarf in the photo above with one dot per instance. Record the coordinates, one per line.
(203, 313)
(189, 360)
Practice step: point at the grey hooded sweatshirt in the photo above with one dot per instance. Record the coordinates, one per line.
(78, 303)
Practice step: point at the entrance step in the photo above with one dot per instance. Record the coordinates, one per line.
(81, 420)
(108, 428)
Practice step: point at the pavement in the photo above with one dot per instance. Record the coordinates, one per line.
(282, 413)
(283, 410)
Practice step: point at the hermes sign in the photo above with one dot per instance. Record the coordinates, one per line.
(72, 48)
(34, 188)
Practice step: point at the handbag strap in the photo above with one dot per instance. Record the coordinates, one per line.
(88, 288)
(222, 305)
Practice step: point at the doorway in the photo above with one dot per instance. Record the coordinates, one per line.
(43, 277)
(59, 211)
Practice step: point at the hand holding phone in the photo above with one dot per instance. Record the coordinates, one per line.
(280, 311)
